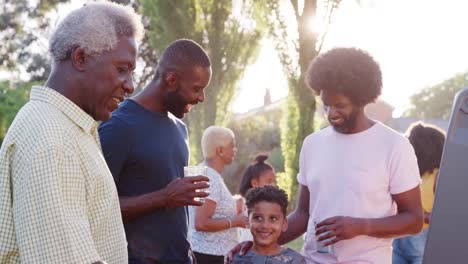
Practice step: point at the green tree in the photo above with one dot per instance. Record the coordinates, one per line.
(230, 31)
(23, 26)
(296, 48)
(257, 133)
(12, 98)
(436, 101)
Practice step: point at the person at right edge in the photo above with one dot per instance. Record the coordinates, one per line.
(428, 143)
(358, 179)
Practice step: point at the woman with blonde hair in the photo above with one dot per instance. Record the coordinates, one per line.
(213, 226)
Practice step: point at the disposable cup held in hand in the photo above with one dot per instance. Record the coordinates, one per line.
(320, 244)
(192, 171)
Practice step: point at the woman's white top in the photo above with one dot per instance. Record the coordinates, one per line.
(244, 233)
(215, 243)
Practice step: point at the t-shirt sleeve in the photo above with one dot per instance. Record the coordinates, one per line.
(404, 172)
(301, 176)
(116, 144)
(215, 186)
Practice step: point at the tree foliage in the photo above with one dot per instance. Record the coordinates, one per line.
(255, 134)
(12, 98)
(296, 48)
(230, 32)
(23, 29)
(436, 101)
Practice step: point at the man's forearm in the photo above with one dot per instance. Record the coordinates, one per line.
(133, 207)
(297, 225)
(405, 223)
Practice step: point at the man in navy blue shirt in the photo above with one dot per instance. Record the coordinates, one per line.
(146, 148)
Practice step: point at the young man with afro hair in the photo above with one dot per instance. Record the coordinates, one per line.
(359, 180)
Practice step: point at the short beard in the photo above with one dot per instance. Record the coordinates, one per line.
(348, 125)
(175, 104)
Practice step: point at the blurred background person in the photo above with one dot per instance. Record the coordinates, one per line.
(428, 143)
(258, 174)
(213, 225)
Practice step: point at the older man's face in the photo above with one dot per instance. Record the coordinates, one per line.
(110, 79)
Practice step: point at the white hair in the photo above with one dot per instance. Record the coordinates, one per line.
(214, 137)
(95, 27)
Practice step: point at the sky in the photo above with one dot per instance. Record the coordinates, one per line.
(417, 43)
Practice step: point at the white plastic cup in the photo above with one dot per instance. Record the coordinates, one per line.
(320, 244)
(192, 171)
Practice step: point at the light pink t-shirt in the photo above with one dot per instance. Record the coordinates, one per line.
(355, 175)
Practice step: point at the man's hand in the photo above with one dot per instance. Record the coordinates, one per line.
(182, 191)
(339, 228)
(242, 248)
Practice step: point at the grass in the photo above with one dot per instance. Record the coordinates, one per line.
(296, 244)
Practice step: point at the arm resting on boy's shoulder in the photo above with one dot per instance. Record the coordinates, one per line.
(297, 220)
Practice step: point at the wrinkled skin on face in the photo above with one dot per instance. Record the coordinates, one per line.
(108, 78)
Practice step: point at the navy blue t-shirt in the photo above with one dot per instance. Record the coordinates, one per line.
(145, 151)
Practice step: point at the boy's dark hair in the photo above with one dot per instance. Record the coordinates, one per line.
(253, 171)
(267, 193)
(349, 71)
(428, 143)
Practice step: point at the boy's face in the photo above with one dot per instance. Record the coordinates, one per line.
(267, 221)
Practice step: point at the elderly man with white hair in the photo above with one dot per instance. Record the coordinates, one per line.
(213, 226)
(58, 200)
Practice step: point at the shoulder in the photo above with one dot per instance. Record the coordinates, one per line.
(246, 258)
(289, 256)
(122, 121)
(293, 253)
(178, 123)
(216, 180)
(318, 136)
(117, 123)
(41, 124)
(176, 120)
(389, 134)
(213, 174)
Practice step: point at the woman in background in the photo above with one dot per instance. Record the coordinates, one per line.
(212, 229)
(428, 143)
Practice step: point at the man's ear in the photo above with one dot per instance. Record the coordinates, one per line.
(79, 59)
(219, 151)
(285, 225)
(171, 80)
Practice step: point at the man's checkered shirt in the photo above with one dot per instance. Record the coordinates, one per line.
(58, 201)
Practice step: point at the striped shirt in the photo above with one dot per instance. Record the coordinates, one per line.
(58, 201)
